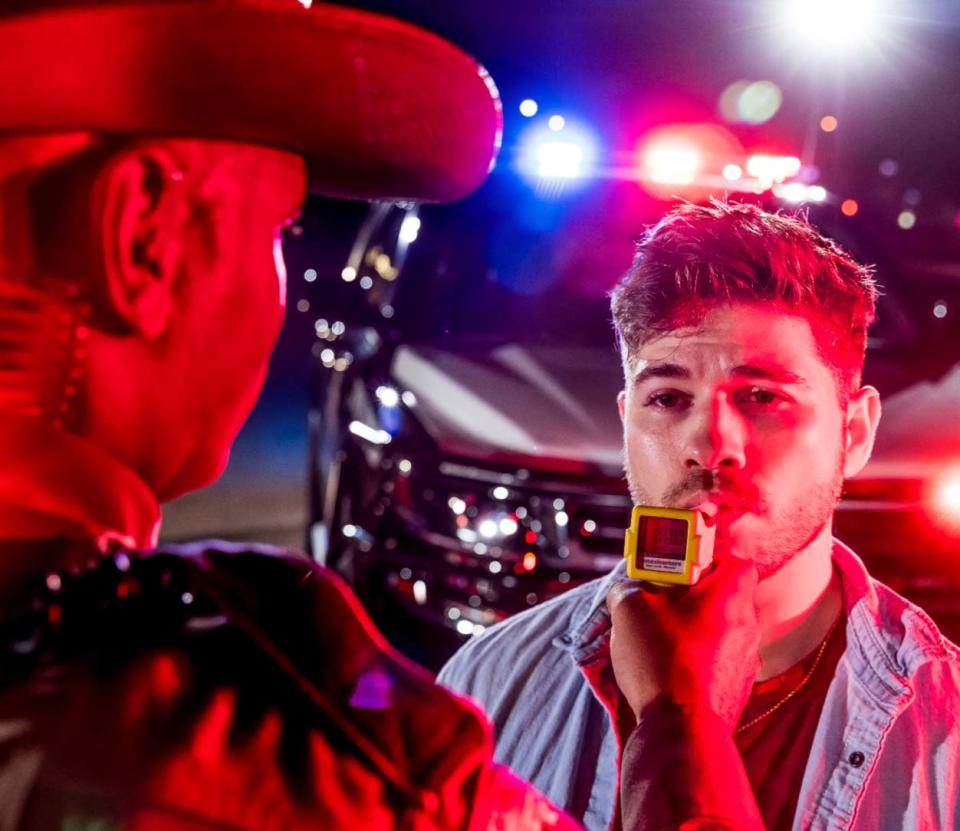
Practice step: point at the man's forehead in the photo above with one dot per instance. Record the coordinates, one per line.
(736, 339)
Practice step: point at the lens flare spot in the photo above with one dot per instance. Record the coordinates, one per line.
(759, 102)
(906, 220)
(849, 207)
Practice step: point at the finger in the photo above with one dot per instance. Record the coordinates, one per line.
(727, 588)
(620, 591)
(734, 571)
(743, 574)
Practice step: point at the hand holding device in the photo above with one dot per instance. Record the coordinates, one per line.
(696, 643)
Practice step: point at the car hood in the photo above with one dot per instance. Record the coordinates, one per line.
(919, 434)
(551, 405)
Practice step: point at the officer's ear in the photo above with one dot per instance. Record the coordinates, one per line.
(145, 210)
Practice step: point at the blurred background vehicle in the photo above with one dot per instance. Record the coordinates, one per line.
(466, 458)
(461, 456)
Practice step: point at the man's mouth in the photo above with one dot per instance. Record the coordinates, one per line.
(715, 505)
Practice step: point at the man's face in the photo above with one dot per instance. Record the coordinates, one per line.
(740, 413)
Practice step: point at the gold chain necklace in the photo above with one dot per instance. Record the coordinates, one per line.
(796, 689)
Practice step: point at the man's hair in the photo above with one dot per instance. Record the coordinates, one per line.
(699, 257)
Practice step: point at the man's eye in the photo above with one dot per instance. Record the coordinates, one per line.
(666, 400)
(760, 396)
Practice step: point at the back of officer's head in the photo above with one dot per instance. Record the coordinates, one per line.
(140, 277)
(701, 256)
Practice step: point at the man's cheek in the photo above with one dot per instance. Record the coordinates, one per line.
(652, 442)
(650, 469)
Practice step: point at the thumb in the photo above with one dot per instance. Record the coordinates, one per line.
(740, 574)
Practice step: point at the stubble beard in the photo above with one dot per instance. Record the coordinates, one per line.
(788, 528)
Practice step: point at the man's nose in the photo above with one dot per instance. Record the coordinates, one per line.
(717, 437)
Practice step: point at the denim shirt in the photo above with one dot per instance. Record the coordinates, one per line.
(885, 756)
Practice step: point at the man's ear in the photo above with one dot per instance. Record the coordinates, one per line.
(863, 416)
(145, 211)
(622, 404)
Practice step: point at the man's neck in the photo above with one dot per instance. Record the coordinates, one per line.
(796, 607)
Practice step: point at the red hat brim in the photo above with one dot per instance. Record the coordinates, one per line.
(379, 108)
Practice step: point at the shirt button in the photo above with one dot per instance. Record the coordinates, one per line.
(856, 758)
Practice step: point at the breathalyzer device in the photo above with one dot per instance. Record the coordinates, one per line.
(668, 546)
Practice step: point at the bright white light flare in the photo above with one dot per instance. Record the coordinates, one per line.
(831, 25)
(559, 160)
(771, 170)
(388, 396)
(672, 163)
(732, 172)
(367, 433)
(409, 229)
(950, 497)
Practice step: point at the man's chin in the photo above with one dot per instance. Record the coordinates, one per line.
(766, 566)
(759, 548)
(736, 538)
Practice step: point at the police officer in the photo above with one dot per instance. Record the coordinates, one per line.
(150, 155)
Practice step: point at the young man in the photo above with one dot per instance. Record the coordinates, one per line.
(787, 689)
(150, 155)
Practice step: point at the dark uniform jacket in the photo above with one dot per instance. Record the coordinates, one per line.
(215, 686)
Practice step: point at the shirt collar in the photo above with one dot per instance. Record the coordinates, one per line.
(588, 636)
(888, 637)
(58, 477)
(858, 587)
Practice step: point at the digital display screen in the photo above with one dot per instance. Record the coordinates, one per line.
(662, 537)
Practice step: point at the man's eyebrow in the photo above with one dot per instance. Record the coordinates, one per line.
(661, 371)
(779, 374)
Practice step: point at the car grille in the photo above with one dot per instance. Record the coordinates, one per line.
(468, 585)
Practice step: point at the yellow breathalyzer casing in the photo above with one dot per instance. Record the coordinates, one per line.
(668, 546)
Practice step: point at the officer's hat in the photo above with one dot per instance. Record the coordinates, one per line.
(378, 107)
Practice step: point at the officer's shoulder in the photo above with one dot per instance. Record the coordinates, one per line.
(275, 585)
(214, 551)
(244, 562)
